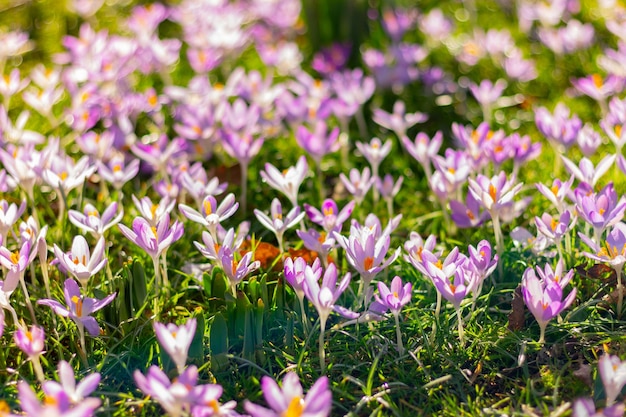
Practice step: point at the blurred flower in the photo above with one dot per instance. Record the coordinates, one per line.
(318, 142)
(586, 172)
(397, 121)
(613, 374)
(289, 399)
(91, 221)
(584, 407)
(56, 402)
(77, 394)
(358, 184)
(559, 128)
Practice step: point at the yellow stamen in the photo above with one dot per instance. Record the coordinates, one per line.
(328, 211)
(15, 257)
(597, 80)
(295, 409)
(79, 305)
(207, 207)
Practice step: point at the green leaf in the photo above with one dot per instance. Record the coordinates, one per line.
(218, 342)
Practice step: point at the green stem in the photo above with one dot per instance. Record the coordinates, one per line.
(398, 334)
(460, 326)
(244, 187)
(27, 298)
(322, 352)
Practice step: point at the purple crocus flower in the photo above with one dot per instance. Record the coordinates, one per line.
(177, 397)
(599, 88)
(394, 298)
(589, 140)
(558, 127)
(600, 210)
(544, 299)
(320, 242)
(324, 297)
(289, 400)
(556, 275)
(487, 93)
(584, 407)
(79, 261)
(613, 374)
(365, 252)
(77, 393)
(552, 228)
(211, 214)
(613, 252)
(557, 192)
(586, 172)
(235, 270)
(153, 239)
(77, 307)
(358, 184)
(276, 223)
(9, 214)
(318, 142)
(91, 221)
(56, 402)
(287, 182)
(424, 149)
(175, 340)
(330, 217)
(494, 194)
(398, 121)
(469, 214)
(294, 275)
(16, 262)
(153, 213)
(117, 172)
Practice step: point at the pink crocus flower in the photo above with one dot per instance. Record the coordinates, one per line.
(398, 121)
(211, 214)
(58, 402)
(176, 340)
(544, 299)
(358, 183)
(586, 172)
(330, 217)
(77, 393)
(276, 222)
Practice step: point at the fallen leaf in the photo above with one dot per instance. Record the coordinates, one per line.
(516, 316)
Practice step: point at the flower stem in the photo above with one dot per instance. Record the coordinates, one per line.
(620, 291)
(398, 334)
(305, 322)
(320, 180)
(542, 333)
(497, 231)
(82, 351)
(322, 352)
(38, 369)
(460, 325)
(27, 297)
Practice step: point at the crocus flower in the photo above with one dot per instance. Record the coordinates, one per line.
(56, 402)
(294, 275)
(319, 142)
(559, 128)
(468, 214)
(481, 262)
(599, 88)
(324, 297)
(211, 213)
(117, 172)
(613, 374)
(320, 242)
(613, 252)
(544, 299)
(79, 261)
(77, 393)
(557, 192)
(589, 140)
(16, 262)
(330, 217)
(175, 340)
(287, 182)
(586, 172)
(493, 194)
(584, 407)
(31, 342)
(397, 121)
(153, 239)
(358, 184)
(177, 397)
(153, 213)
(9, 214)
(91, 221)
(600, 210)
(235, 270)
(276, 223)
(79, 309)
(394, 298)
(289, 399)
(366, 251)
(554, 229)
(487, 93)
